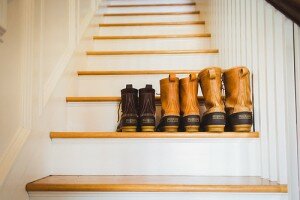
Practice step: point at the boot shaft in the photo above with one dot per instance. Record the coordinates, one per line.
(189, 104)
(169, 93)
(211, 86)
(147, 101)
(237, 90)
(129, 100)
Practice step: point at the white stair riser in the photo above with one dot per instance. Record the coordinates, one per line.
(152, 44)
(140, 62)
(99, 116)
(151, 9)
(203, 157)
(97, 85)
(151, 18)
(151, 30)
(153, 195)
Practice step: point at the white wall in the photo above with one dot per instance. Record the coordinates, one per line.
(37, 72)
(254, 34)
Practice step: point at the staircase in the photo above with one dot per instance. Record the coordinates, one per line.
(140, 42)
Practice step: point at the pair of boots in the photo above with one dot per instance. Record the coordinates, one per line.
(138, 110)
(235, 113)
(180, 105)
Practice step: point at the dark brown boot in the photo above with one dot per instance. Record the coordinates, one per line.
(170, 107)
(238, 99)
(147, 108)
(214, 118)
(189, 104)
(129, 118)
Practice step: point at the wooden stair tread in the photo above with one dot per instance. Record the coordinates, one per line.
(152, 13)
(147, 52)
(155, 184)
(151, 36)
(152, 23)
(104, 99)
(149, 5)
(70, 135)
(135, 72)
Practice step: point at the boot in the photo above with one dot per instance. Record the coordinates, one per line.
(147, 108)
(129, 118)
(189, 104)
(213, 119)
(238, 99)
(170, 108)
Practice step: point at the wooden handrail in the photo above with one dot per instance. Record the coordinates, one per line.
(290, 8)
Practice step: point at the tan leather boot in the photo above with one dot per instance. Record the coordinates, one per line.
(189, 104)
(170, 108)
(238, 99)
(214, 118)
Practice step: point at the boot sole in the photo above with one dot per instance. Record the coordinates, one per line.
(192, 128)
(129, 129)
(170, 128)
(215, 128)
(242, 128)
(148, 128)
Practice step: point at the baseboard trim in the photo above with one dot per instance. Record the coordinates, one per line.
(12, 151)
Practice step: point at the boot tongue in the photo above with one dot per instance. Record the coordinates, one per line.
(129, 86)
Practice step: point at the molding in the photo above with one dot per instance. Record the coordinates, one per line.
(12, 151)
(3, 17)
(60, 67)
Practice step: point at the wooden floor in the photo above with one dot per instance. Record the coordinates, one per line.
(155, 184)
(56, 135)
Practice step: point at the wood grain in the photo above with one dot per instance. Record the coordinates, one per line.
(82, 135)
(151, 36)
(202, 51)
(150, 5)
(135, 72)
(152, 23)
(155, 184)
(151, 13)
(104, 99)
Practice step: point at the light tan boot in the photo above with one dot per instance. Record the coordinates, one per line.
(214, 119)
(238, 99)
(170, 108)
(189, 105)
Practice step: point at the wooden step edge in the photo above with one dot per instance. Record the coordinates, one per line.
(104, 99)
(135, 72)
(157, 184)
(151, 13)
(203, 35)
(149, 52)
(150, 5)
(152, 24)
(103, 135)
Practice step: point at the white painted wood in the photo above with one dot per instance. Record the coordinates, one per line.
(151, 9)
(207, 157)
(184, 61)
(151, 18)
(151, 196)
(152, 44)
(152, 30)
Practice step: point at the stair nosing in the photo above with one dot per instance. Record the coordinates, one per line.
(183, 23)
(149, 5)
(202, 51)
(151, 13)
(182, 135)
(142, 184)
(129, 37)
